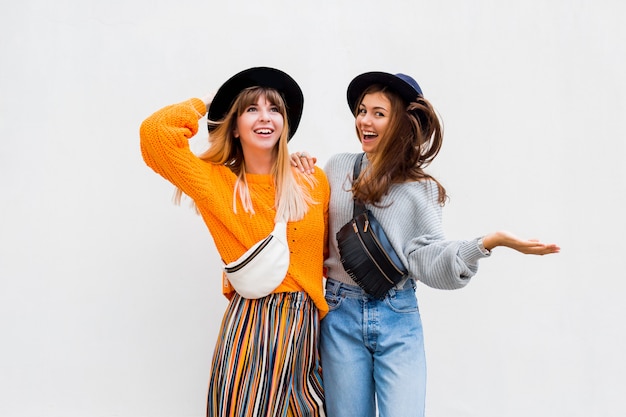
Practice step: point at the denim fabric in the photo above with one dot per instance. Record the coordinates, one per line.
(373, 353)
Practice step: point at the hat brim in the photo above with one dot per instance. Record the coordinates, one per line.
(262, 77)
(361, 82)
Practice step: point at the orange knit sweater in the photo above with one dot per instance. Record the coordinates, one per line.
(165, 148)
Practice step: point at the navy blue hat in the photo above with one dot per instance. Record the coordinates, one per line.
(402, 84)
(261, 77)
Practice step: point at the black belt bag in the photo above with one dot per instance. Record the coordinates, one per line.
(366, 254)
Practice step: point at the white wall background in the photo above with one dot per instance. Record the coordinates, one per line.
(109, 294)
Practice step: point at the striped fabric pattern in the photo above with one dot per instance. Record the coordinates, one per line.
(266, 360)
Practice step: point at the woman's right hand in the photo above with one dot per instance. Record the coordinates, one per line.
(303, 161)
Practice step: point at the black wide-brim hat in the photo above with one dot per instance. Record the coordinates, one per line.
(402, 84)
(261, 77)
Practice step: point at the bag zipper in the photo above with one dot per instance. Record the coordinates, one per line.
(369, 253)
(251, 257)
(380, 246)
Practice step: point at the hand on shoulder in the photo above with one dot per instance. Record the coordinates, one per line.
(304, 162)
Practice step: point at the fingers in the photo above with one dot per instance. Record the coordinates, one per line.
(303, 161)
(541, 248)
(535, 247)
(548, 249)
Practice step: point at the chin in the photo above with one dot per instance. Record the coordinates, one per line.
(368, 147)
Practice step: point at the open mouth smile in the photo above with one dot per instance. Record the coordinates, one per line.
(368, 135)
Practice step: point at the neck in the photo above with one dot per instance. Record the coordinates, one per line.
(259, 163)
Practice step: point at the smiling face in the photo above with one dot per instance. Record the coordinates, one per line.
(259, 126)
(372, 120)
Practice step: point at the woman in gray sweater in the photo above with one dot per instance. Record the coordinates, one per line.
(373, 349)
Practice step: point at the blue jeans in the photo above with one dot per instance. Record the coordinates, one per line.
(373, 353)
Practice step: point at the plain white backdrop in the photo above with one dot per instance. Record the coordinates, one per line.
(110, 295)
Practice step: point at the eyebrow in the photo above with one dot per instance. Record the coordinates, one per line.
(373, 108)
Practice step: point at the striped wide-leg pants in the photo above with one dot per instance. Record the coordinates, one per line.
(266, 360)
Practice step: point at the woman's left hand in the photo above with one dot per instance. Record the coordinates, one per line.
(303, 161)
(526, 246)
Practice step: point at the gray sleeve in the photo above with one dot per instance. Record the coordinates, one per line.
(445, 264)
(434, 260)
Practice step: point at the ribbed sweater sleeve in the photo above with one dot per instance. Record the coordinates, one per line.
(165, 148)
(412, 220)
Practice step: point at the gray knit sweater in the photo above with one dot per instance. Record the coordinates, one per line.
(411, 217)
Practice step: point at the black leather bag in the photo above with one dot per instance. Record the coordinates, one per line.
(366, 254)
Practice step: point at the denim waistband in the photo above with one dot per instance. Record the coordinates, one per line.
(354, 291)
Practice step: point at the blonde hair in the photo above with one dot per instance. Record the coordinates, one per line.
(292, 199)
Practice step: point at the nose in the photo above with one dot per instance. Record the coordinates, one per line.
(366, 118)
(265, 115)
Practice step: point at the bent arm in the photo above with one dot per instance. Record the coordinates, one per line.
(164, 140)
(445, 264)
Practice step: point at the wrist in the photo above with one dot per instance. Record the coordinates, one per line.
(490, 241)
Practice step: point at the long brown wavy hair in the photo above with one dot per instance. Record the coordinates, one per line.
(411, 142)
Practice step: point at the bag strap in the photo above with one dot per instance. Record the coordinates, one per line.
(358, 207)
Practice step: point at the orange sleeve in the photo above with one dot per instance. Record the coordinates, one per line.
(164, 140)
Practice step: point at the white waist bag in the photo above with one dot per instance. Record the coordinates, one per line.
(263, 267)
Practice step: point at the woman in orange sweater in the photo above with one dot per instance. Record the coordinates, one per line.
(266, 359)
